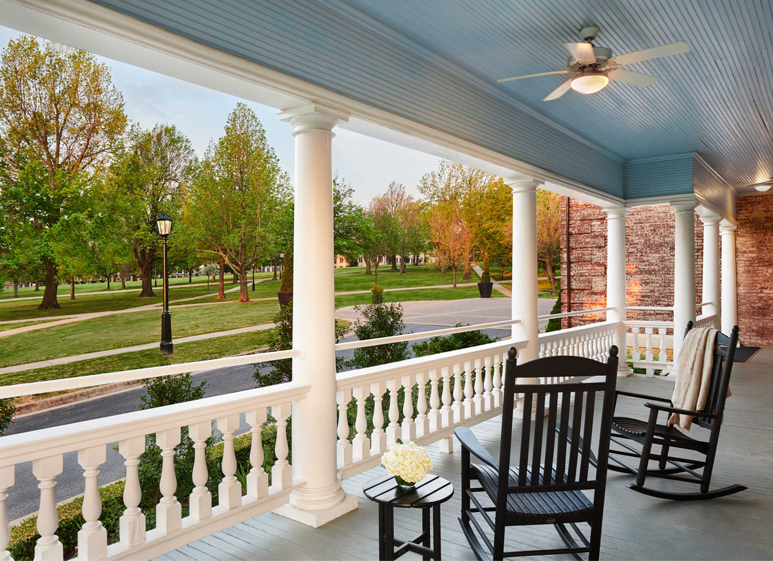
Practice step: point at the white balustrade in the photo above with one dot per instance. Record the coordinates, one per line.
(457, 407)
(344, 447)
(361, 442)
(393, 429)
(45, 450)
(651, 361)
(408, 427)
(378, 440)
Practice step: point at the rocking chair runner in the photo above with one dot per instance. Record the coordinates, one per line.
(651, 433)
(548, 485)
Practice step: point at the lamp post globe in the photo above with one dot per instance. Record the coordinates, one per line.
(164, 224)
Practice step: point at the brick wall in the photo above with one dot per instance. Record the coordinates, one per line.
(754, 259)
(649, 259)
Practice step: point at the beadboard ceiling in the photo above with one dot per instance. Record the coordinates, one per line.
(437, 62)
(716, 100)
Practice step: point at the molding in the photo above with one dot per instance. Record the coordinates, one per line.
(727, 227)
(684, 199)
(108, 33)
(705, 165)
(666, 158)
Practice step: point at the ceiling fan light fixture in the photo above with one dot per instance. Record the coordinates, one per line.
(589, 83)
(762, 187)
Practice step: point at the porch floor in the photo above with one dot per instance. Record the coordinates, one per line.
(635, 526)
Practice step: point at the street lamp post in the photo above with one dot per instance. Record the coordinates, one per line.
(253, 276)
(164, 224)
(281, 262)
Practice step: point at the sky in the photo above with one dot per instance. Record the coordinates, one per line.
(368, 165)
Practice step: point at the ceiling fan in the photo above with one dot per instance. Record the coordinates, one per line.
(593, 67)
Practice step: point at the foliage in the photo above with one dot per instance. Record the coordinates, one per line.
(486, 276)
(549, 233)
(287, 271)
(454, 342)
(235, 195)
(379, 320)
(350, 222)
(61, 118)
(7, 411)
(406, 214)
(451, 235)
(384, 233)
(555, 323)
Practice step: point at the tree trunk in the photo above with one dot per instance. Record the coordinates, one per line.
(49, 293)
(503, 272)
(146, 274)
(72, 289)
(108, 282)
(190, 275)
(552, 278)
(375, 279)
(221, 282)
(467, 269)
(394, 262)
(442, 268)
(367, 267)
(276, 265)
(37, 286)
(403, 258)
(244, 295)
(15, 289)
(453, 268)
(123, 282)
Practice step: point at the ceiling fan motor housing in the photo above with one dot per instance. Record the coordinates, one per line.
(603, 54)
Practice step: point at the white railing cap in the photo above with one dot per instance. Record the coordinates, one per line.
(573, 331)
(28, 446)
(365, 376)
(647, 323)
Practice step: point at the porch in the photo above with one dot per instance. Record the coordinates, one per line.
(635, 526)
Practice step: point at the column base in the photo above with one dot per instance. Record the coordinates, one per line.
(623, 371)
(317, 518)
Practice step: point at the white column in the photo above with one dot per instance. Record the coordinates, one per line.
(684, 271)
(710, 291)
(729, 281)
(616, 280)
(314, 418)
(524, 298)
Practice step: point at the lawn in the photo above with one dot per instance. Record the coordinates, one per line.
(124, 330)
(354, 278)
(460, 293)
(64, 289)
(109, 301)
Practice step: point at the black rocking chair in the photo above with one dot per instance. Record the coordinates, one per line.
(649, 433)
(548, 487)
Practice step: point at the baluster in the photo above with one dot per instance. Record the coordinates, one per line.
(408, 428)
(282, 472)
(457, 406)
(648, 356)
(584, 346)
(574, 346)
(257, 479)
(92, 537)
(542, 350)
(422, 421)
(132, 521)
(662, 354)
(168, 510)
(48, 546)
(477, 401)
(496, 392)
(393, 428)
(378, 437)
(446, 415)
(488, 400)
(635, 355)
(469, 405)
(200, 500)
(361, 442)
(6, 482)
(435, 419)
(229, 490)
(344, 448)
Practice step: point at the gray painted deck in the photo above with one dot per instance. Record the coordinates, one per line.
(635, 526)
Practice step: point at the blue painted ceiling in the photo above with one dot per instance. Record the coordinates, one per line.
(437, 62)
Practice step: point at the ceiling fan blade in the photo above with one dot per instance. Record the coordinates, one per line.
(582, 52)
(634, 78)
(559, 91)
(534, 75)
(649, 54)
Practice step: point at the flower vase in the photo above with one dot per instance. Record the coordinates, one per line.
(402, 482)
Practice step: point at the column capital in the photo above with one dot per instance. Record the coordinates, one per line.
(522, 184)
(727, 227)
(684, 206)
(313, 117)
(707, 216)
(615, 212)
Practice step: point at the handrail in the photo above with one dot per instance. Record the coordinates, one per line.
(423, 334)
(648, 323)
(363, 376)
(577, 313)
(704, 304)
(35, 388)
(591, 327)
(28, 446)
(651, 308)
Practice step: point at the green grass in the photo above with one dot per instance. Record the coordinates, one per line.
(7, 326)
(124, 330)
(28, 309)
(460, 293)
(64, 289)
(185, 352)
(354, 278)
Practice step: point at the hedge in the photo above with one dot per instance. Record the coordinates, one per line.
(25, 534)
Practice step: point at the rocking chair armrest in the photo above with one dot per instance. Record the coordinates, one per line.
(679, 411)
(642, 396)
(470, 443)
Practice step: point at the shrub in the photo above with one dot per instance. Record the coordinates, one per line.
(555, 323)
(379, 320)
(287, 271)
(7, 411)
(486, 276)
(453, 342)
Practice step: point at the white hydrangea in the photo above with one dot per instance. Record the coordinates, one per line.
(407, 461)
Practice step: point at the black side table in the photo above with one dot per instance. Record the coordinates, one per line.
(432, 491)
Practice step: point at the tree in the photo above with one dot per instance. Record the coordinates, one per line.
(236, 195)
(59, 109)
(405, 213)
(385, 236)
(350, 225)
(549, 233)
(150, 179)
(451, 236)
